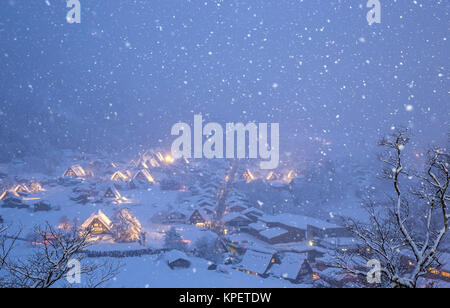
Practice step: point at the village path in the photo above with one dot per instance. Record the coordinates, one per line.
(225, 190)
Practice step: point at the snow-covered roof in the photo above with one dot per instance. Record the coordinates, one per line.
(238, 206)
(298, 221)
(77, 170)
(258, 226)
(290, 266)
(273, 232)
(8, 194)
(253, 210)
(144, 175)
(175, 255)
(233, 216)
(340, 241)
(119, 176)
(256, 262)
(100, 216)
(202, 213)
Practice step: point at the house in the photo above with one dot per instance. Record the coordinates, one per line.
(340, 243)
(98, 224)
(9, 194)
(256, 227)
(133, 164)
(177, 259)
(236, 208)
(272, 176)
(253, 213)
(276, 235)
(22, 190)
(144, 176)
(257, 263)
(200, 219)
(305, 228)
(236, 221)
(294, 267)
(42, 207)
(76, 172)
(120, 176)
(112, 193)
(36, 187)
(14, 203)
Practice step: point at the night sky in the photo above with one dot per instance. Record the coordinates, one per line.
(132, 69)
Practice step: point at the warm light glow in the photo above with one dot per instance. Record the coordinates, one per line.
(119, 177)
(145, 176)
(160, 156)
(316, 276)
(168, 159)
(75, 171)
(311, 243)
(249, 176)
(270, 176)
(30, 199)
(35, 187)
(291, 175)
(435, 272)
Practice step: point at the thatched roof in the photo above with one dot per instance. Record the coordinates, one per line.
(101, 217)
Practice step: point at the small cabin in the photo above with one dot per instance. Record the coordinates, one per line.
(98, 224)
(112, 193)
(144, 176)
(22, 190)
(199, 218)
(177, 259)
(120, 176)
(293, 267)
(8, 194)
(258, 263)
(75, 172)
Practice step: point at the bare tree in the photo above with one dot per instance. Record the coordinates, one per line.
(7, 243)
(406, 245)
(50, 263)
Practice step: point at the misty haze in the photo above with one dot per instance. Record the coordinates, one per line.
(121, 164)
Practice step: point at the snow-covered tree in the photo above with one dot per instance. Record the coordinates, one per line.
(49, 264)
(406, 246)
(209, 248)
(173, 240)
(126, 227)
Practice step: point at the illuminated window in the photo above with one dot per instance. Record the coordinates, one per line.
(434, 271)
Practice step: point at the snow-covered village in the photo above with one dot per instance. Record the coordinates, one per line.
(202, 223)
(224, 144)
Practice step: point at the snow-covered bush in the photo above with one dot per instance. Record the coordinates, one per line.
(208, 247)
(173, 240)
